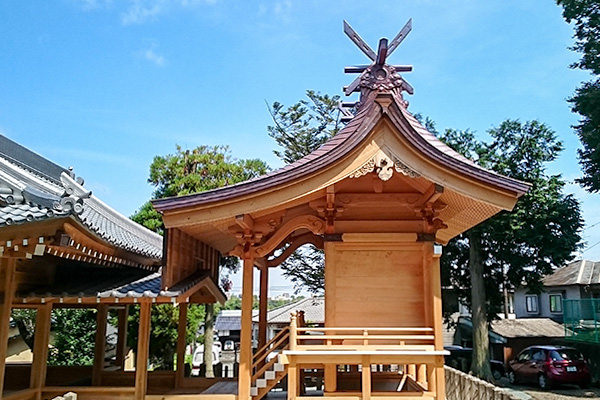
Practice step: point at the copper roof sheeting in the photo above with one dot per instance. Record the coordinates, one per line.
(582, 272)
(346, 141)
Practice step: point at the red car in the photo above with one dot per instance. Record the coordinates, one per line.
(548, 365)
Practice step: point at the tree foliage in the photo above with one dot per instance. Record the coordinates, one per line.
(73, 332)
(300, 129)
(585, 15)
(541, 233)
(304, 126)
(187, 172)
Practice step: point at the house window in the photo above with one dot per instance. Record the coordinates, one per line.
(556, 303)
(531, 303)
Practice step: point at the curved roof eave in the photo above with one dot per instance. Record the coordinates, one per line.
(342, 144)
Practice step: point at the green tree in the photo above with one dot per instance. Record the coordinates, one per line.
(585, 15)
(541, 233)
(73, 332)
(300, 129)
(186, 172)
(304, 126)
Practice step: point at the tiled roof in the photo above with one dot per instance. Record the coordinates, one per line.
(313, 307)
(582, 272)
(33, 188)
(81, 280)
(528, 327)
(230, 320)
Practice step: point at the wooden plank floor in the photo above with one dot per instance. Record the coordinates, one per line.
(222, 388)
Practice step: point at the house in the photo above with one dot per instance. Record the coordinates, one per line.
(577, 281)
(509, 336)
(228, 325)
(379, 199)
(313, 309)
(62, 247)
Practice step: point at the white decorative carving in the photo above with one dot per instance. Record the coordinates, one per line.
(405, 169)
(384, 167)
(369, 166)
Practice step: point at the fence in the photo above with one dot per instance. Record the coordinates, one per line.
(582, 320)
(461, 386)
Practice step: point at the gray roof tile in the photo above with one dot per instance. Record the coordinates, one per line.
(33, 188)
(581, 272)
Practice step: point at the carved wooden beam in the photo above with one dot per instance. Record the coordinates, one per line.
(314, 224)
(307, 238)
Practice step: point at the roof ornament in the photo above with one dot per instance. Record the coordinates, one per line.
(377, 76)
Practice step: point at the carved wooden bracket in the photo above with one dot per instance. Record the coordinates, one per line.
(249, 247)
(307, 238)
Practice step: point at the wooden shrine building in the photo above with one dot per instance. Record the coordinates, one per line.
(377, 198)
(61, 247)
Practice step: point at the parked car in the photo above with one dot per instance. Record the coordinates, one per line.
(460, 358)
(548, 365)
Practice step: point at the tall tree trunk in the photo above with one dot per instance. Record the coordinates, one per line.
(209, 332)
(506, 299)
(480, 364)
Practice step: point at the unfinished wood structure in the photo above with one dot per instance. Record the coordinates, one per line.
(61, 247)
(377, 198)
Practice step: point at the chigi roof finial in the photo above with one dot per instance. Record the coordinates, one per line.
(378, 75)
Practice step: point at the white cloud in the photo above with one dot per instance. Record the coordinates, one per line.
(141, 11)
(151, 55)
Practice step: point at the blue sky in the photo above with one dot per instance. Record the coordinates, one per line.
(105, 85)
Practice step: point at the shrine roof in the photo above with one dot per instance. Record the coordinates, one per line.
(351, 137)
(33, 188)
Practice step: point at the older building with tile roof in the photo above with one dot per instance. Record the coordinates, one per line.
(61, 246)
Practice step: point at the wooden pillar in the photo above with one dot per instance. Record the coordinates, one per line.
(122, 315)
(366, 378)
(100, 344)
(141, 364)
(7, 280)
(245, 368)
(40, 348)
(181, 331)
(436, 285)
(293, 381)
(329, 370)
(264, 302)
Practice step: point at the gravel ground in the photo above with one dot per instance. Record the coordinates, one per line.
(563, 392)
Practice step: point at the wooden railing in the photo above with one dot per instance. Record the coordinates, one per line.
(362, 338)
(260, 361)
(410, 352)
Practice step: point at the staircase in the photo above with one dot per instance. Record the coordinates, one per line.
(267, 370)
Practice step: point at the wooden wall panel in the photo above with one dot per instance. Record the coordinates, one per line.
(186, 256)
(382, 286)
